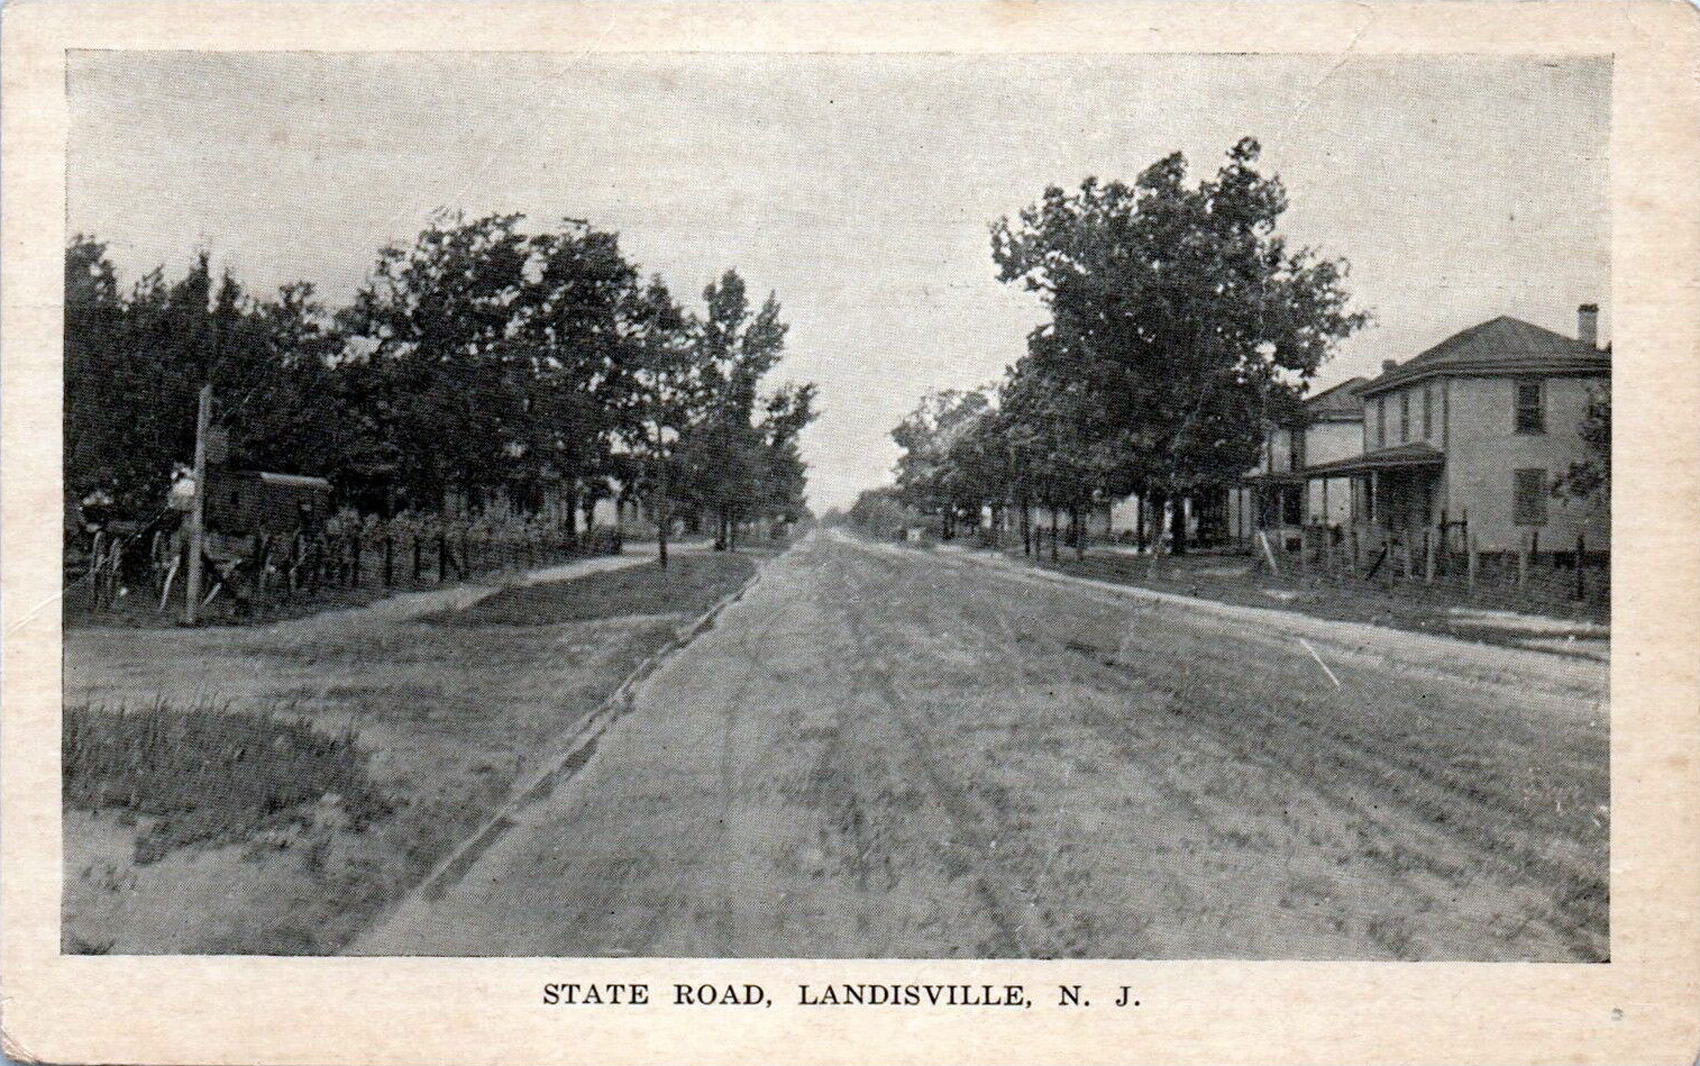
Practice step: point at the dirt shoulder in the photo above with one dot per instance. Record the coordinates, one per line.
(1490, 616)
(452, 717)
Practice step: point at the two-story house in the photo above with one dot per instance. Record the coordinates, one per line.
(1278, 495)
(1475, 430)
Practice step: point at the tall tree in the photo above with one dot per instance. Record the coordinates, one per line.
(666, 388)
(724, 451)
(1182, 310)
(926, 479)
(438, 320)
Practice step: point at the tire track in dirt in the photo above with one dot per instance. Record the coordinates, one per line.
(1442, 812)
(965, 815)
(1424, 815)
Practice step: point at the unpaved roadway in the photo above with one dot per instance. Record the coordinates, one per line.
(885, 752)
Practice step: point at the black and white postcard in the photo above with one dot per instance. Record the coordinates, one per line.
(855, 532)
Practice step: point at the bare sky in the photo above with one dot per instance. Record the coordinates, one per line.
(859, 188)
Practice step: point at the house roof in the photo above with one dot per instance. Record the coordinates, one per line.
(1402, 457)
(1502, 345)
(1341, 403)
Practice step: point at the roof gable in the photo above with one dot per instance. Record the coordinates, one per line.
(1339, 402)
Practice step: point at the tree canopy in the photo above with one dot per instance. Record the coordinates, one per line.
(479, 362)
(1181, 322)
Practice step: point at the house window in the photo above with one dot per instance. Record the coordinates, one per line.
(1381, 422)
(1531, 406)
(1404, 417)
(1428, 411)
(1529, 506)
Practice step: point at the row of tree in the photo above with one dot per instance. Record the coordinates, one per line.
(1180, 324)
(480, 362)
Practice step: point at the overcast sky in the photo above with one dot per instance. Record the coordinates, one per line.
(858, 188)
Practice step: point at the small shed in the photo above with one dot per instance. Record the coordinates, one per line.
(244, 502)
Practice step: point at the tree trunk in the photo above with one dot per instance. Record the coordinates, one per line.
(1080, 522)
(1177, 527)
(1139, 522)
(1026, 528)
(1055, 518)
(660, 516)
(1158, 503)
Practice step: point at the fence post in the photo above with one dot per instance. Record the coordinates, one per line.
(1475, 559)
(1581, 574)
(389, 560)
(262, 572)
(1523, 562)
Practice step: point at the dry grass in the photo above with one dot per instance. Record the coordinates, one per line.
(210, 773)
(690, 584)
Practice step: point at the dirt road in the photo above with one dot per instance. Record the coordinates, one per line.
(893, 753)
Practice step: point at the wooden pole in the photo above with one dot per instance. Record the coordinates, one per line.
(197, 514)
(661, 518)
(1475, 561)
(1431, 539)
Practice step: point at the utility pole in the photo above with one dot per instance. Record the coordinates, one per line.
(197, 515)
(661, 509)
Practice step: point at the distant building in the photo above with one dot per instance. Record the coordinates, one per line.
(1279, 494)
(1476, 429)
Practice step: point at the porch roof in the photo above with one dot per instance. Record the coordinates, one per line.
(1405, 456)
(1275, 477)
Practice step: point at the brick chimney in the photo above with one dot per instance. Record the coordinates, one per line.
(1588, 325)
(1389, 365)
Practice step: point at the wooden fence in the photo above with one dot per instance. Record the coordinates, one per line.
(1447, 556)
(252, 574)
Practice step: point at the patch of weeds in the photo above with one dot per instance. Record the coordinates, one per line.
(208, 773)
